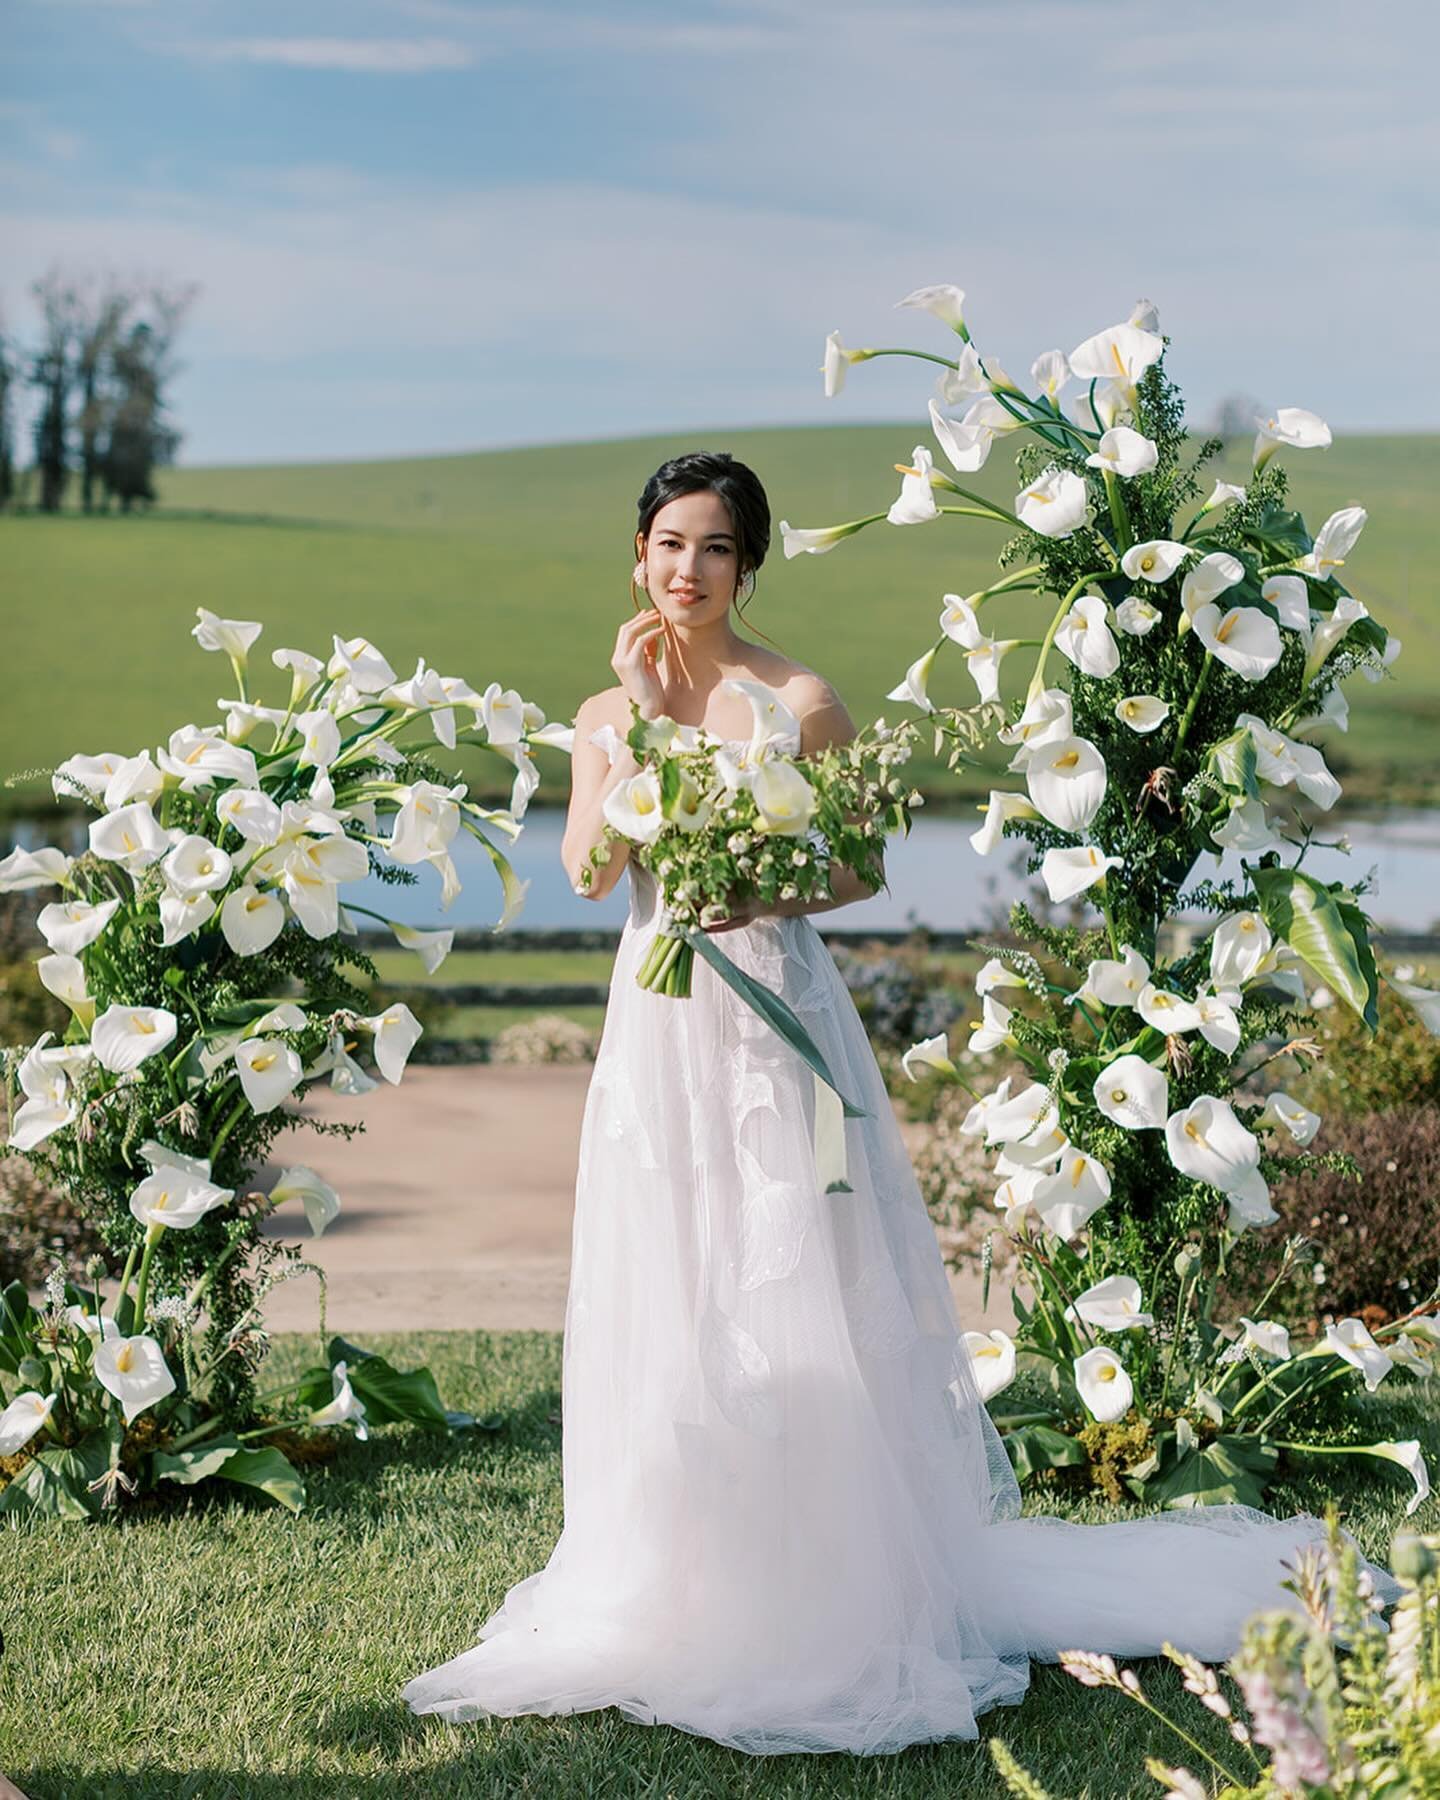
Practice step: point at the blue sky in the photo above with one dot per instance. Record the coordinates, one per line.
(432, 225)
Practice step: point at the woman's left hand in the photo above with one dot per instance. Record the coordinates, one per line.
(745, 912)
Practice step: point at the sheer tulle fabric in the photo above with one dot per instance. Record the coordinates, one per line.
(789, 1524)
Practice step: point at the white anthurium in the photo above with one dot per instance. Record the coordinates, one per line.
(632, 807)
(943, 299)
(975, 1122)
(345, 1407)
(64, 977)
(966, 446)
(1105, 1390)
(1067, 873)
(1099, 407)
(70, 926)
(1422, 1000)
(1020, 1118)
(1222, 494)
(1136, 616)
(1143, 713)
(999, 809)
(395, 1033)
(992, 1361)
(1334, 710)
(250, 921)
(1328, 630)
(1291, 426)
(1067, 780)
(1283, 762)
(243, 719)
(176, 1199)
(915, 503)
(22, 1418)
(357, 661)
(1050, 371)
(232, 636)
(198, 758)
(1208, 1143)
(432, 947)
(1056, 504)
(1247, 830)
(123, 1037)
(195, 866)
(1411, 1459)
(1290, 597)
(1133, 1093)
(1270, 1339)
(134, 778)
(929, 1053)
(1155, 560)
(1238, 946)
(1047, 718)
(87, 775)
(319, 739)
(269, 1071)
(1123, 353)
(1084, 638)
(917, 678)
(771, 717)
(784, 799)
(1284, 1114)
(132, 837)
(319, 1199)
(993, 1028)
(1117, 981)
(1209, 578)
(251, 813)
(1352, 1343)
(815, 540)
(1244, 639)
(1220, 1020)
(1167, 1012)
(182, 915)
(134, 1370)
(993, 974)
(1065, 1200)
(1114, 1304)
(1124, 452)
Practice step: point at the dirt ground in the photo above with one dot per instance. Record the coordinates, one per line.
(457, 1204)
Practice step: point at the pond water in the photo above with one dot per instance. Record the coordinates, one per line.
(936, 879)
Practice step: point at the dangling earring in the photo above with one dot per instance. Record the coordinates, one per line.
(639, 577)
(746, 587)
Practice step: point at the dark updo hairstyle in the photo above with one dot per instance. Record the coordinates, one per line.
(716, 472)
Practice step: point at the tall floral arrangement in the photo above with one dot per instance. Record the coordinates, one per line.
(199, 943)
(1199, 642)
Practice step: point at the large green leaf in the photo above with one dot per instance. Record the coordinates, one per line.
(15, 1315)
(1036, 1447)
(1306, 914)
(267, 1470)
(1228, 1470)
(391, 1395)
(1233, 761)
(196, 1464)
(1281, 530)
(56, 1483)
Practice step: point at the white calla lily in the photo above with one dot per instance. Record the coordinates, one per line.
(1143, 713)
(251, 813)
(975, 1122)
(966, 442)
(993, 1028)
(199, 758)
(1067, 781)
(1084, 638)
(1101, 405)
(1209, 578)
(1222, 494)
(232, 636)
(1105, 1390)
(965, 380)
(1167, 1012)
(1411, 1459)
(134, 1370)
(1423, 1001)
(182, 915)
(1067, 873)
(1328, 631)
(1067, 1199)
(22, 1418)
(1114, 1304)
(992, 1361)
(251, 921)
(195, 866)
(998, 810)
(345, 1407)
(1123, 353)
(176, 1198)
(319, 1199)
(1352, 1343)
(432, 947)
(1292, 426)
(784, 799)
(134, 778)
(1155, 560)
(1284, 1114)
(815, 540)
(1048, 717)
(1056, 504)
(1272, 1340)
(1244, 639)
(1283, 762)
(1029, 1115)
(929, 1053)
(123, 1037)
(917, 679)
(1290, 597)
(64, 977)
(1220, 1020)
(1238, 945)
(131, 836)
(269, 1071)
(1050, 371)
(357, 661)
(1117, 982)
(1247, 830)
(22, 870)
(396, 1031)
(1208, 1143)
(993, 974)
(1124, 452)
(943, 299)
(1136, 617)
(319, 739)
(915, 504)
(87, 775)
(70, 926)
(1133, 1093)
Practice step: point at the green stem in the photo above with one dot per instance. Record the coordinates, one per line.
(1118, 515)
(922, 355)
(125, 1275)
(232, 1120)
(1195, 694)
(978, 512)
(1181, 1301)
(1037, 680)
(152, 1238)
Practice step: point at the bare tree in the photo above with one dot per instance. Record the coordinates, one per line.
(1235, 417)
(143, 360)
(101, 319)
(53, 373)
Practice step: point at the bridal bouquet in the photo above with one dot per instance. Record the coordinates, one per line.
(718, 828)
(1201, 641)
(199, 945)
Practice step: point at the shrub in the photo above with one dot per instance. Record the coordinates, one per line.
(39, 1227)
(547, 1038)
(1362, 1072)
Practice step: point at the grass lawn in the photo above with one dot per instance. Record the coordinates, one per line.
(512, 565)
(226, 1649)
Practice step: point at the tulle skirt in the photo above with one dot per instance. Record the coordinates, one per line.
(789, 1524)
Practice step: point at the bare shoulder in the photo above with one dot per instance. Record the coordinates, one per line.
(815, 702)
(611, 706)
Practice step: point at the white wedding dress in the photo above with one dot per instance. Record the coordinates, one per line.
(789, 1523)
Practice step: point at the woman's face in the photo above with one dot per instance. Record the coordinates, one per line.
(691, 559)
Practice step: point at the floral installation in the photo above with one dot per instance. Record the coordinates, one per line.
(1199, 642)
(200, 946)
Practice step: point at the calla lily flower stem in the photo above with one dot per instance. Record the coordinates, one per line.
(1118, 516)
(152, 1238)
(1194, 701)
(1037, 680)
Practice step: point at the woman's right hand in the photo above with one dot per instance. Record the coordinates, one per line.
(635, 661)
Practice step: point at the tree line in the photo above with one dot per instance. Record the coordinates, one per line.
(99, 373)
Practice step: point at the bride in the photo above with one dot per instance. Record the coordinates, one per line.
(789, 1524)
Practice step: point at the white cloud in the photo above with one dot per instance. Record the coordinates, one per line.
(361, 56)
